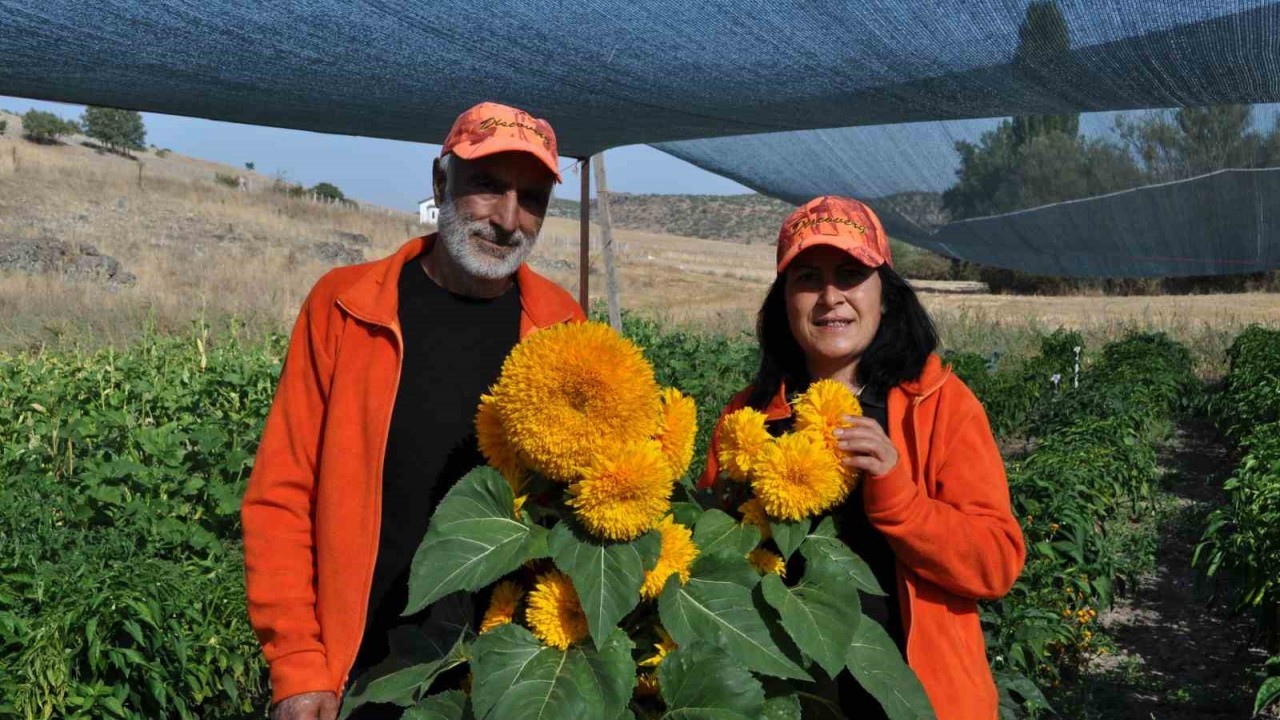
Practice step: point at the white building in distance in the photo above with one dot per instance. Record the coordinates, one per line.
(428, 213)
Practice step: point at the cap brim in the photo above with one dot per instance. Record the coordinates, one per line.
(493, 146)
(865, 255)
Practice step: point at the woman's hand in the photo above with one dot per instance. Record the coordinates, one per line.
(866, 447)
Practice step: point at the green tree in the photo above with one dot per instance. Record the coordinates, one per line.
(1043, 60)
(1195, 141)
(119, 130)
(248, 166)
(327, 191)
(45, 127)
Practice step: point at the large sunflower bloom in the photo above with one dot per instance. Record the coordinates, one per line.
(503, 604)
(797, 477)
(678, 429)
(823, 407)
(740, 439)
(624, 491)
(554, 614)
(766, 561)
(753, 514)
(678, 554)
(494, 445)
(565, 388)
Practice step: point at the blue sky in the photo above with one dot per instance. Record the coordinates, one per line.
(387, 172)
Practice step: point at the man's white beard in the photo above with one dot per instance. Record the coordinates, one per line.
(456, 233)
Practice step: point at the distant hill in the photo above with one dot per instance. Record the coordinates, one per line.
(749, 219)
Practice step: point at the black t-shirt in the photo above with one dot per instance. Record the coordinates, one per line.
(453, 351)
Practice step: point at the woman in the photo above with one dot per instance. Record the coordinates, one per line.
(931, 515)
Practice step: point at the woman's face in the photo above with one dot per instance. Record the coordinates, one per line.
(833, 306)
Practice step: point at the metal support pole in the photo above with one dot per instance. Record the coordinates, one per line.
(584, 241)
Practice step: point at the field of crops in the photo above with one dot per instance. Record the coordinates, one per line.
(121, 590)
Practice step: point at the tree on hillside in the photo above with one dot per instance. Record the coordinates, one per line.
(327, 191)
(119, 130)
(45, 127)
(1043, 59)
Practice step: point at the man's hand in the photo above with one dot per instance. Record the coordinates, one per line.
(866, 446)
(307, 706)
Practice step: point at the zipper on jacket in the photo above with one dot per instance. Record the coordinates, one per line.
(377, 520)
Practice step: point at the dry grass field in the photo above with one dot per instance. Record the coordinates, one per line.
(200, 249)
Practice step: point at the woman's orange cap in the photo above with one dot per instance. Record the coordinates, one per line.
(840, 222)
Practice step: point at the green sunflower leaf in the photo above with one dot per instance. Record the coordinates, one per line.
(822, 545)
(699, 683)
(451, 705)
(820, 613)
(788, 535)
(717, 532)
(716, 607)
(606, 575)
(473, 540)
(877, 664)
(518, 678)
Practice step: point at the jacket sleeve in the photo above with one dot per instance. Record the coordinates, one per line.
(965, 538)
(278, 515)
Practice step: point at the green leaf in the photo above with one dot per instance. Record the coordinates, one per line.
(823, 546)
(717, 532)
(821, 614)
(788, 535)
(1268, 695)
(686, 513)
(450, 705)
(399, 687)
(716, 607)
(699, 683)
(877, 664)
(606, 575)
(418, 656)
(517, 678)
(473, 540)
(783, 707)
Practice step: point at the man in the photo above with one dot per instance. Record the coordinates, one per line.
(373, 418)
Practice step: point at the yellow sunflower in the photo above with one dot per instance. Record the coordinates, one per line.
(678, 428)
(678, 554)
(765, 562)
(493, 444)
(647, 685)
(648, 681)
(624, 491)
(565, 388)
(823, 407)
(797, 477)
(503, 604)
(753, 514)
(741, 438)
(554, 614)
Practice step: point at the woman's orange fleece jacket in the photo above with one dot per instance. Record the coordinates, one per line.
(945, 512)
(312, 510)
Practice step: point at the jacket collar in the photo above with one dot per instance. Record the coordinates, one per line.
(375, 296)
(931, 378)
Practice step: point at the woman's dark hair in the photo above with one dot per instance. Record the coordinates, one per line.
(896, 354)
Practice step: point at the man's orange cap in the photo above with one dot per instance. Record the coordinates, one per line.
(840, 222)
(490, 128)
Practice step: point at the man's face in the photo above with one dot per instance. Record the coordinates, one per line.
(491, 210)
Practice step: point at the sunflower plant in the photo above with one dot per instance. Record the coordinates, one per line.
(574, 576)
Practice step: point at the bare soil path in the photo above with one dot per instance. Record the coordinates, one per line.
(1179, 654)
